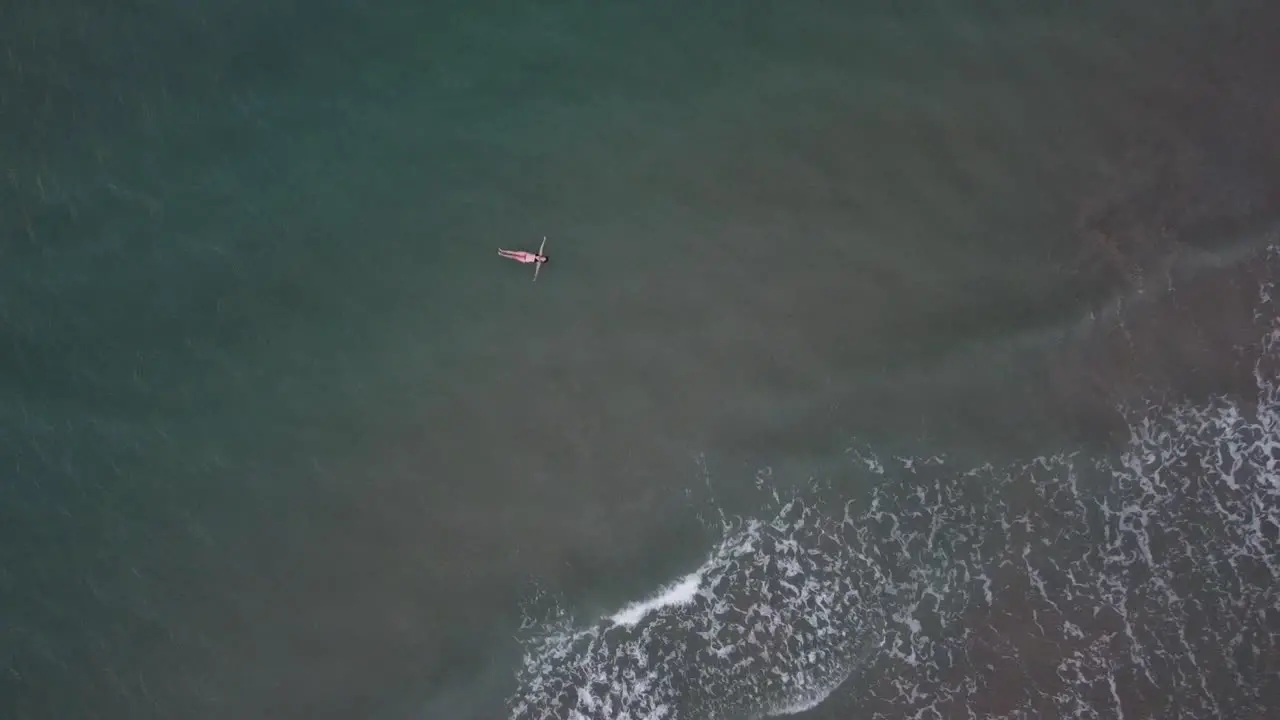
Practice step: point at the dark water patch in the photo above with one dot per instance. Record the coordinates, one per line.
(1065, 584)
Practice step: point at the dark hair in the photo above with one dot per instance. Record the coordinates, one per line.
(545, 258)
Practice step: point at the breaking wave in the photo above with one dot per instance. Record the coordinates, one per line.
(1145, 584)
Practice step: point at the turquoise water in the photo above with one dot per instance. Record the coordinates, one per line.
(282, 437)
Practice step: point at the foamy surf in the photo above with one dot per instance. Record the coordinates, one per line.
(681, 592)
(1142, 585)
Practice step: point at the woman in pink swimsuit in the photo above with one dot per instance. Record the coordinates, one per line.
(528, 258)
(523, 256)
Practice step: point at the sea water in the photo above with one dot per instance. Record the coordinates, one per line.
(898, 362)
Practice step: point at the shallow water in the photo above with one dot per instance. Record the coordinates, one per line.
(283, 438)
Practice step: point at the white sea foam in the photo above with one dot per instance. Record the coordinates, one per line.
(680, 592)
(1146, 585)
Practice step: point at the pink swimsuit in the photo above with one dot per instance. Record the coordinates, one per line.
(521, 256)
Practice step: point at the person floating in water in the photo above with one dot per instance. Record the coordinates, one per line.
(523, 256)
(528, 258)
